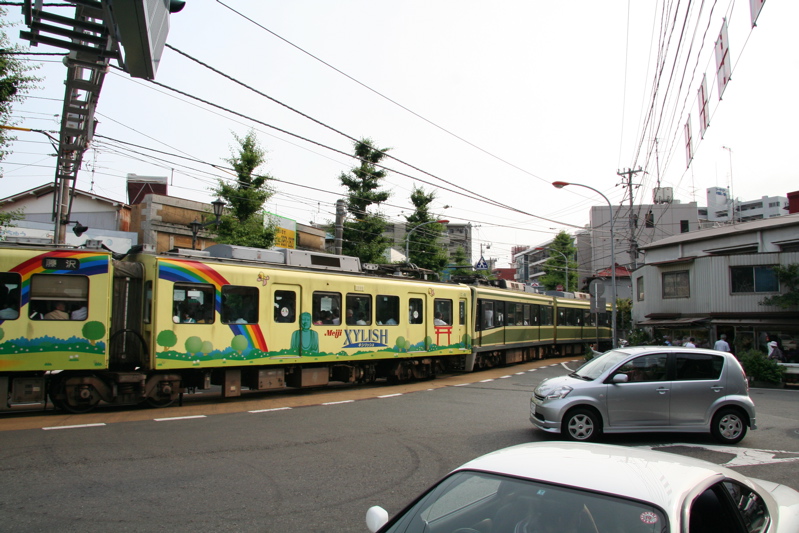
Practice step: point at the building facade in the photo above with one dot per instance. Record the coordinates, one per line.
(713, 281)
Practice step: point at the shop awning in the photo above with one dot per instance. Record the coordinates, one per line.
(674, 321)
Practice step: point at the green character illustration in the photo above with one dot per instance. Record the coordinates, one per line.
(305, 339)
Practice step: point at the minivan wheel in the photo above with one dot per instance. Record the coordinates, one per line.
(729, 425)
(582, 425)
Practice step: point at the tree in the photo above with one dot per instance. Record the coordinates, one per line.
(363, 236)
(244, 224)
(15, 83)
(8, 217)
(460, 263)
(789, 278)
(561, 254)
(422, 244)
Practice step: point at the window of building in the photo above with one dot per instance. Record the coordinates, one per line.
(639, 288)
(193, 303)
(750, 279)
(326, 308)
(59, 297)
(387, 309)
(684, 227)
(676, 284)
(239, 305)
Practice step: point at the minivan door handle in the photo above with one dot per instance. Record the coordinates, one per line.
(662, 390)
(717, 388)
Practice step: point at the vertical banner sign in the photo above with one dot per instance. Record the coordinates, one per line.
(754, 7)
(704, 119)
(723, 66)
(689, 149)
(285, 231)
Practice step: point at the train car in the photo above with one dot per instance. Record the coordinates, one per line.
(513, 326)
(83, 325)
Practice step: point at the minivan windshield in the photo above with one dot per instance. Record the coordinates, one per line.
(599, 364)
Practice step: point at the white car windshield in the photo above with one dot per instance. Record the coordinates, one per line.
(600, 364)
(478, 501)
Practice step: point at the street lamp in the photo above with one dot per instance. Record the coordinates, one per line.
(408, 236)
(565, 258)
(196, 226)
(562, 184)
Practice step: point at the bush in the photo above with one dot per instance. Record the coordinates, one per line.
(760, 368)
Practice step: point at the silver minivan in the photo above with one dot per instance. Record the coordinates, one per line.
(648, 389)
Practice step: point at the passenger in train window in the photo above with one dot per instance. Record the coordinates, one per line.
(350, 317)
(439, 320)
(59, 312)
(80, 313)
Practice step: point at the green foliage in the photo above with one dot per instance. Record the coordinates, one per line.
(167, 339)
(363, 235)
(8, 217)
(423, 247)
(93, 330)
(461, 263)
(193, 344)
(638, 337)
(789, 278)
(15, 83)
(244, 224)
(561, 258)
(624, 314)
(207, 347)
(239, 343)
(760, 368)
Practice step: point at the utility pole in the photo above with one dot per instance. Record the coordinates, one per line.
(633, 222)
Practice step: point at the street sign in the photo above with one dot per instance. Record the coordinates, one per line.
(481, 265)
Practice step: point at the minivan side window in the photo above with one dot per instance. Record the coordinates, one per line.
(698, 366)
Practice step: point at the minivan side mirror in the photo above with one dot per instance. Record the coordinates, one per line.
(619, 378)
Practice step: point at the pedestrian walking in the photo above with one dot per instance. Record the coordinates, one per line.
(722, 345)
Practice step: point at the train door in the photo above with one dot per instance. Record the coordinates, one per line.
(127, 347)
(284, 316)
(419, 334)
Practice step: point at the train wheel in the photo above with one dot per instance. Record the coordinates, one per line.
(76, 399)
(160, 402)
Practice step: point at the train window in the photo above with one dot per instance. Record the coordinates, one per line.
(239, 305)
(527, 320)
(487, 316)
(285, 306)
(9, 295)
(511, 318)
(359, 310)
(387, 310)
(499, 314)
(416, 311)
(193, 303)
(547, 314)
(462, 313)
(326, 308)
(442, 310)
(148, 302)
(59, 297)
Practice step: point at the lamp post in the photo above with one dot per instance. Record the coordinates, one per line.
(565, 258)
(196, 226)
(562, 184)
(408, 236)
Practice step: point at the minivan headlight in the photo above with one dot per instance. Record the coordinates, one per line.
(559, 393)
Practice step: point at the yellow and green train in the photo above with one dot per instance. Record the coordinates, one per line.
(84, 325)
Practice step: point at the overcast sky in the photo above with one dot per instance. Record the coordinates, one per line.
(484, 103)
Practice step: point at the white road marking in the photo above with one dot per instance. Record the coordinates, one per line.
(178, 418)
(390, 395)
(74, 427)
(337, 403)
(270, 410)
(486, 380)
(743, 456)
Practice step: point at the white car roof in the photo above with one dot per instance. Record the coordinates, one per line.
(658, 477)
